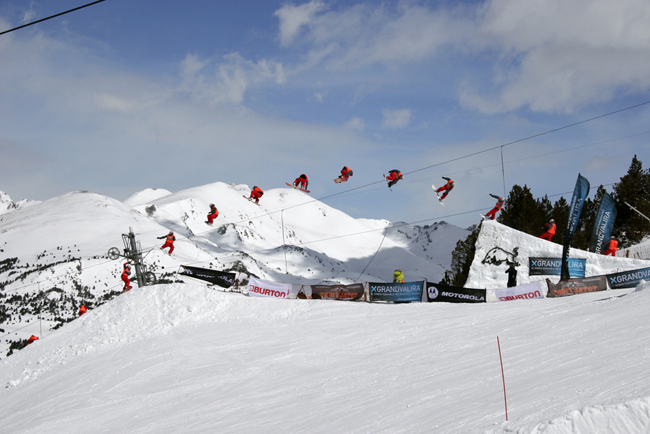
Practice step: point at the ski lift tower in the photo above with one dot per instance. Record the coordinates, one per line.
(133, 252)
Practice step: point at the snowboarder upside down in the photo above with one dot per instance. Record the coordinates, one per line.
(346, 173)
(393, 177)
(446, 188)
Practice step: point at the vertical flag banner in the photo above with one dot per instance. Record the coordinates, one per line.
(604, 224)
(579, 195)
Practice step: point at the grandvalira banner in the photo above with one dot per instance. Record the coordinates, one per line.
(437, 292)
(221, 278)
(409, 291)
(552, 266)
(628, 279)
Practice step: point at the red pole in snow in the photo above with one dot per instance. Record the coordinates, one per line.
(505, 400)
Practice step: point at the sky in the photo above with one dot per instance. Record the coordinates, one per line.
(123, 96)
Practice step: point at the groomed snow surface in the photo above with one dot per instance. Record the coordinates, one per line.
(183, 358)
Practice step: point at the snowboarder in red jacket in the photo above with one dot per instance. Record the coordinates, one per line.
(83, 309)
(346, 173)
(393, 177)
(214, 213)
(301, 182)
(493, 212)
(256, 193)
(550, 232)
(125, 277)
(446, 188)
(612, 247)
(169, 241)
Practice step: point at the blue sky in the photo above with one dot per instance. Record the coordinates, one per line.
(124, 95)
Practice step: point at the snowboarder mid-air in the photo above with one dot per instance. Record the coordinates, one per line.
(346, 173)
(393, 177)
(301, 182)
(497, 207)
(398, 276)
(445, 188)
(169, 241)
(256, 193)
(550, 232)
(213, 214)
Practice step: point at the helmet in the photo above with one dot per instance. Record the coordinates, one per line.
(552, 221)
(127, 266)
(211, 204)
(613, 237)
(501, 199)
(171, 232)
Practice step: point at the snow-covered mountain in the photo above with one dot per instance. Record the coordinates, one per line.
(54, 253)
(7, 205)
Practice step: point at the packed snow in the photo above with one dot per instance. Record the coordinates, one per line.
(186, 357)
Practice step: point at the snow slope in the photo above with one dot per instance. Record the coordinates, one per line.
(184, 358)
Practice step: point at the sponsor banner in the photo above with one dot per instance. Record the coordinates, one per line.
(265, 288)
(337, 292)
(552, 266)
(604, 224)
(409, 291)
(221, 278)
(579, 195)
(628, 279)
(576, 286)
(522, 292)
(452, 294)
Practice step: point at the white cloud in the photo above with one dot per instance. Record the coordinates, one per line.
(396, 118)
(293, 18)
(229, 80)
(319, 96)
(356, 124)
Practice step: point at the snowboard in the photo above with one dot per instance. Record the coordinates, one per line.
(436, 191)
(297, 188)
(250, 199)
(338, 180)
(387, 182)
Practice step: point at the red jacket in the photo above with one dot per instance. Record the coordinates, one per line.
(83, 309)
(214, 210)
(551, 228)
(613, 245)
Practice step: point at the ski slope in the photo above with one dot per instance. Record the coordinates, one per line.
(185, 358)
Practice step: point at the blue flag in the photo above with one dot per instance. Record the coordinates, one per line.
(604, 224)
(579, 195)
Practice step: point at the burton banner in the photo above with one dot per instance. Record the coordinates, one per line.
(220, 278)
(265, 288)
(452, 294)
(408, 291)
(604, 224)
(628, 279)
(522, 292)
(553, 266)
(337, 292)
(576, 286)
(579, 195)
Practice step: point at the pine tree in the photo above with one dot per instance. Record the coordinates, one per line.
(522, 211)
(633, 188)
(461, 260)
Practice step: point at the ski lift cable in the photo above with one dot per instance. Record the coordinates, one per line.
(50, 17)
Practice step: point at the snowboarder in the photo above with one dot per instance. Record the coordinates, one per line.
(83, 309)
(346, 173)
(512, 276)
(301, 182)
(550, 232)
(446, 188)
(398, 276)
(393, 177)
(256, 193)
(169, 241)
(497, 207)
(125, 277)
(612, 247)
(213, 214)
